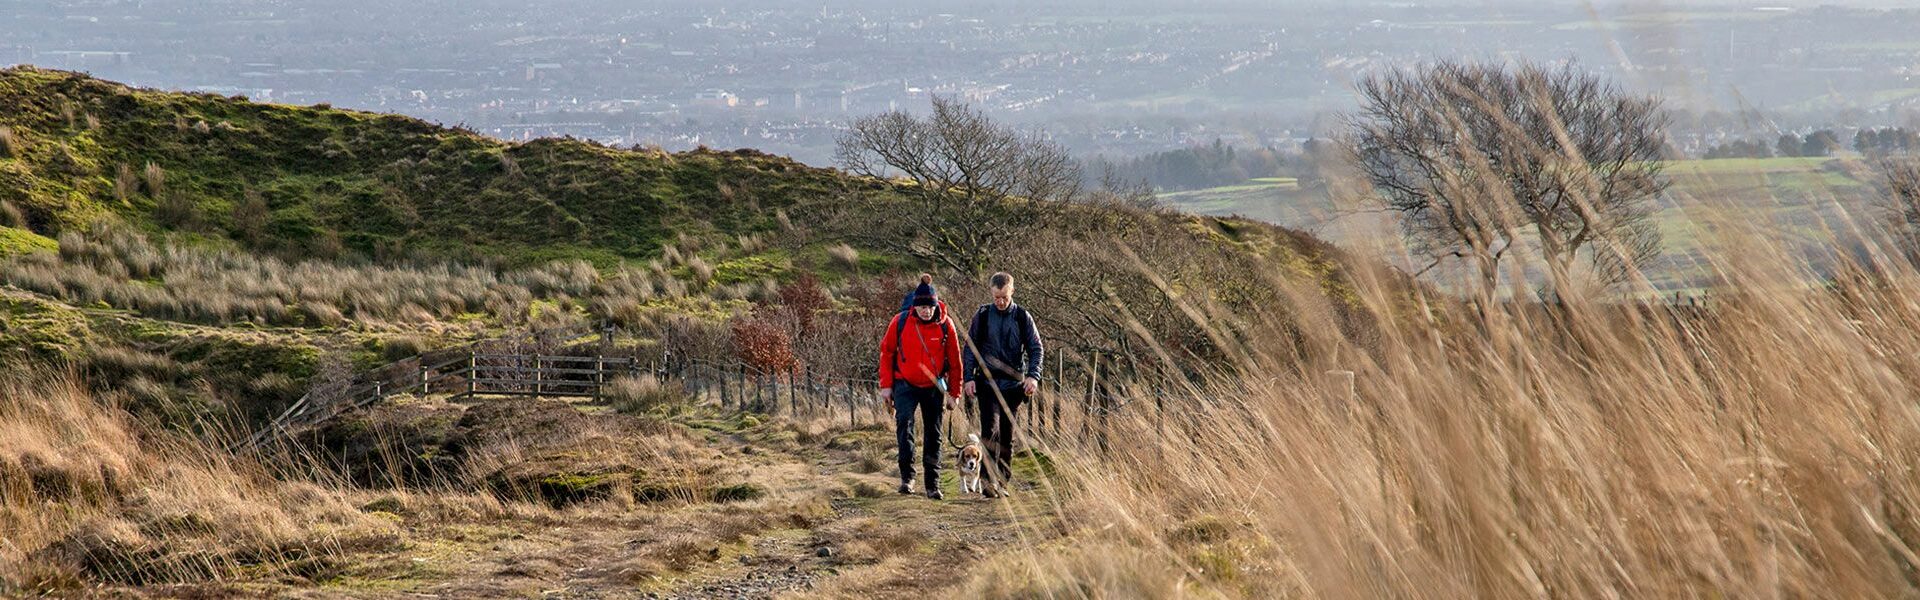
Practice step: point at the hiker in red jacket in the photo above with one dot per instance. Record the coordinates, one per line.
(920, 368)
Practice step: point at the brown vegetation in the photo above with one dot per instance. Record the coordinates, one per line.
(1580, 450)
(87, 495)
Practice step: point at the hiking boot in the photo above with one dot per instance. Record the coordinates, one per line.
(988, 492)
(906, 487)
(933, 494)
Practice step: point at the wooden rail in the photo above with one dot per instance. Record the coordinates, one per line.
(1063, 410)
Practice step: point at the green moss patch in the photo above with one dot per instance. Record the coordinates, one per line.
(15, 241)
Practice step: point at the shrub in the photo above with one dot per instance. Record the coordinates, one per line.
(763, 345)
(10, 144)
(176, 211)
(10, 215)
(318, 314)
(845, 256)
(156, 180)
(739, 492)
(702, 272)
(115, 363)
(125, 182)
(88, 496)
(275, 388)
(750, 243)
(404, 346)
(642, 394)
(250, 217)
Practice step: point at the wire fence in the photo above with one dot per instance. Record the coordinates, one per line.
(578, 363)
(1061, 410)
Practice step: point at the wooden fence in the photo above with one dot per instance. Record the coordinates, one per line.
(463, 371)
(1060, 411)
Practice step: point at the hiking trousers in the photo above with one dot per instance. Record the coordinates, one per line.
(906, 398)
(997, 408)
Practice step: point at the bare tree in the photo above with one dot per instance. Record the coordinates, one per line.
(1118, 190)
(1900, 202)
(1479, 159)
(976, 183)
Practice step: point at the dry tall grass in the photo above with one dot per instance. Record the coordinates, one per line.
(10, 145)
(188, 283)
(89, 496)
(1762, 448)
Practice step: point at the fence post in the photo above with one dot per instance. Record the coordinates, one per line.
(1026, 422)
(377, 396)
(1060, 383)
(599, 375)
(536, 373)
(1086, 404)
(850, 412)
(473, 370)
(1036, 414)
(1101, 396)
(426, 387)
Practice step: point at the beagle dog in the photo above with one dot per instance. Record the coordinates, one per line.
(970, 465)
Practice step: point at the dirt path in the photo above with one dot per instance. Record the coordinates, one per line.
(874, 542)
(829, 524)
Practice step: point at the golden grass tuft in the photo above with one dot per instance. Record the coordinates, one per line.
(1762, 447)
(88, 496)
(643, 394)
(11, 146)
(845, 256)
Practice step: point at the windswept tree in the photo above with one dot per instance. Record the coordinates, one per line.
(1481, 159)
(1900, 203)
(977, 184)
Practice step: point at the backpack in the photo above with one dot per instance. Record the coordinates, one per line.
(1021, 321)
(900, 335)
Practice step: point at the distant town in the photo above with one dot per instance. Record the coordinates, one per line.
(1118, 79)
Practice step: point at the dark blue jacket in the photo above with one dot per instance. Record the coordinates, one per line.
(1002, 338)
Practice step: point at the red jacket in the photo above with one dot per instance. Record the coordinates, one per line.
(924, 351)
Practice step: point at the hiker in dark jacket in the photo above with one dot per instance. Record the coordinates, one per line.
(1003, 371)
(920, 368)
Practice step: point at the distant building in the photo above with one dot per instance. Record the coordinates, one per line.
(716, 99)
(535, 70)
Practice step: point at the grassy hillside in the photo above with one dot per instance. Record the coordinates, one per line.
(178, 267)
(319, 182)
(79, 149)
(356, 232)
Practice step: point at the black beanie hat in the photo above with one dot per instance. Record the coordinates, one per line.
(925, 294)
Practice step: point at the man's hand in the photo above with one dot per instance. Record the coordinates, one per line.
(967, 388)
(953, 402)
(1030, 385)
